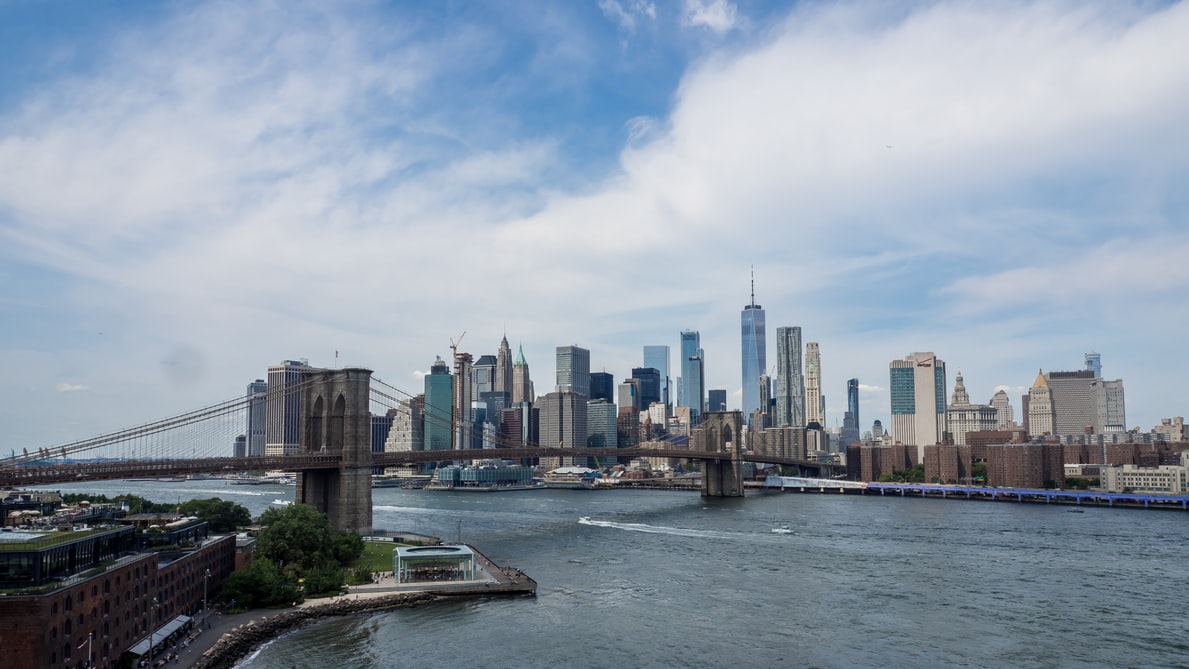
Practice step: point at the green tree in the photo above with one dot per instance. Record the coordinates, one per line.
(261, 583)
(347, 547)
(220, 515)
(296, 537)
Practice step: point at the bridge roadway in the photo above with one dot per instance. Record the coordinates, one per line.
(99, 470)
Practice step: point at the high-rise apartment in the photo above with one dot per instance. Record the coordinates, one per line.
(257, 418)
(657, 357)
(755, 360)
(573, 370)
(283, 410)
(693, 375)
(462, 417)
(815, 412)
(790, 382)
(918, 401)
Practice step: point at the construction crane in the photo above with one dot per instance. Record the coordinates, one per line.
(454, 343)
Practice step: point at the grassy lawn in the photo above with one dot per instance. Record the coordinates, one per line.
(377, 555)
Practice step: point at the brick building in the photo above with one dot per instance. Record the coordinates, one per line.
(1026, 465)
(948, 463)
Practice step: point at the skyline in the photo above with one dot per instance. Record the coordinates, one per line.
(998, 185)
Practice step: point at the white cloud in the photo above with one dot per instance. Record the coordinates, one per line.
(626, 14)
(719, 16)
(69, 387)
(867, 388)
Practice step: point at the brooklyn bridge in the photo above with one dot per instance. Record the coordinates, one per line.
(334, 460)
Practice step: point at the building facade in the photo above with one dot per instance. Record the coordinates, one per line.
(562, 424)
(283, 407)
(657, 357)
(437, 414)
(257, 432)
(692, 382)
(522, 383)
(962, 417)
(573, 370)
(755, 360)
(918, 401)
(815, 410)
(790, 382)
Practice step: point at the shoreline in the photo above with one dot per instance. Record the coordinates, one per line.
(241, 641)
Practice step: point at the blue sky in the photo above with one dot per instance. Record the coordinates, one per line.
(190, 192)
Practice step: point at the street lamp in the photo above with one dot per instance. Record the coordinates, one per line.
(152, 629)
(205, 578)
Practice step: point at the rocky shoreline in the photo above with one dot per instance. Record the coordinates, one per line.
(239, 642)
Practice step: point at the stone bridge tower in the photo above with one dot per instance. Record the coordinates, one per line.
(722, 432)
(336, 419)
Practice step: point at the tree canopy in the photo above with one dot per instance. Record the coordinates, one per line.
(220, 516)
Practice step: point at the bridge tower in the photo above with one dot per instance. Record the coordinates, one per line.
(722, 432)
(336, 419)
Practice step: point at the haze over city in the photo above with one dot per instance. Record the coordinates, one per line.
(192, 192)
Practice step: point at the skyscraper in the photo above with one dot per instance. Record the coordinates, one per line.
(283, 411)
(716, 399)
(961, 416)
(918, 401)
(573, 370)
(755, 360)
(522, 383)
(257, 418)
(602, 386)
(461, 416)
(814, 411)
(657, 357)
(562, 424)
(1004, 415)
(790, 383)
(438, 409)
(852, 400)
(692, 375)
(649, 386)
(1094, 364)
(503, 368)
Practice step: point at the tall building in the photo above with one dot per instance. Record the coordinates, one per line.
(716, 399)
(693, 375)
(649, 386)
(1094, 364)
(562, 424)
(503, 368)
(602, 386)
(439, 405)
(601, 425)
(1005, 416)
(918, 401)
(1040, 407)
(657, 357)
(282, 432)
(461, 409)
(961, 416)
(790, 382)
(766, 402)
(522, 384)
(815, 412)
(483, 376)
(573, 370)
(626, 396)
(257, 418)
(1112, 410)
(755, 361)
(852, 400)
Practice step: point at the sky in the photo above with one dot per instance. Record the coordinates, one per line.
(192, 191)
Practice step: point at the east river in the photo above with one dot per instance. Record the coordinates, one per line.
(669, 579)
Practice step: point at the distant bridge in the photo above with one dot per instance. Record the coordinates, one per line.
(335, 460)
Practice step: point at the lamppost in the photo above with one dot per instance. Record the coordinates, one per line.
(205, 578)
(152, 629)
(90, 655)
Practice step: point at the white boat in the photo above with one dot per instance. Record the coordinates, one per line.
(782, 528)
(282, 502)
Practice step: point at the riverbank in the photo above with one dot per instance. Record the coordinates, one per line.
(231, 638)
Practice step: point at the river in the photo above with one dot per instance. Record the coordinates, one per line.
(668, 579)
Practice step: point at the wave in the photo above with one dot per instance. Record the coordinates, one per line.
(660, 529)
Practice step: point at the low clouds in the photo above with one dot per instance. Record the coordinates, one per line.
(69, 388)
(626, 13)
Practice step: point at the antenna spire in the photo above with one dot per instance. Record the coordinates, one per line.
(753, 285)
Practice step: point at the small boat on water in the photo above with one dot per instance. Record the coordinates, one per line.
(782, 528)
(1076, 509)
(281, 502)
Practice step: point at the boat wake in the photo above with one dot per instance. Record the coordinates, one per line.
(660, 529)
